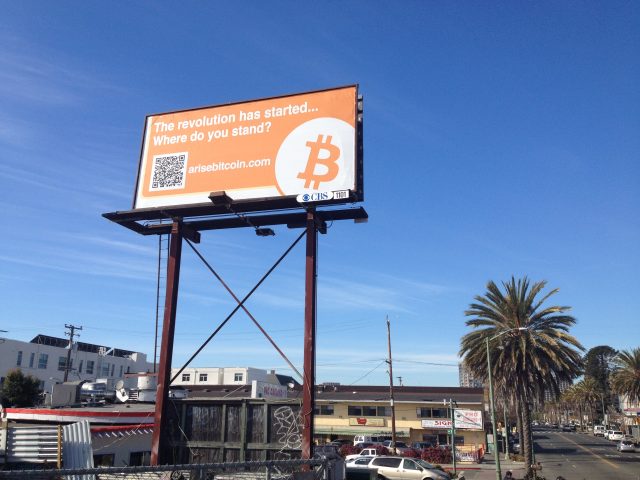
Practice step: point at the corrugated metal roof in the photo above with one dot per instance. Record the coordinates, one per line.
(76, 448)
(32, 444)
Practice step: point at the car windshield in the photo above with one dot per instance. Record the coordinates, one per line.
(627, 442)
(424, 464)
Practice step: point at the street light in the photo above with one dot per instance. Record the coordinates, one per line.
(491, 403)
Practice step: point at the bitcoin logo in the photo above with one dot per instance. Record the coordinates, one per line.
(310, 176)
(318, 154)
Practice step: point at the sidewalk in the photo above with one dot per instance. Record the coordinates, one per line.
(487, 469)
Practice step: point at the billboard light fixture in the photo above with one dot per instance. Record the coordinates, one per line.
(220, 199)
(265, 232)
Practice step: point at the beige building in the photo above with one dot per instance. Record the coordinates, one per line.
(422, 413)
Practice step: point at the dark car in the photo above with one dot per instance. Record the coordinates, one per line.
(421, 445)
(364, 445)
(566, 428)
(339, 442)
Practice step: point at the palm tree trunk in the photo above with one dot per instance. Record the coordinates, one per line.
(526, 434)
(519, 423)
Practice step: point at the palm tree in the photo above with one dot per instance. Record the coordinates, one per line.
(534, 353)
(625, 379)
(590, 394)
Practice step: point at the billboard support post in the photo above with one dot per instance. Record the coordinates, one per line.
(159, 442)
(308, 399)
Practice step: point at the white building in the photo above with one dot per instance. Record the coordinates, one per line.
(45, 358)
(201, 376)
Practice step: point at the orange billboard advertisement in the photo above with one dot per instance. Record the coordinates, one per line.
(302, 145)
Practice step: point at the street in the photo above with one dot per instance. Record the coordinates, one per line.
(576, 455)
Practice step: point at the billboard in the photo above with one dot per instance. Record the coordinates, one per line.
(303, 145)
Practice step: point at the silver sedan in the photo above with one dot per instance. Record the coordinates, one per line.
(626, 446)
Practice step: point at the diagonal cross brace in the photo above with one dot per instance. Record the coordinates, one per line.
(240, 304)
(257, 324)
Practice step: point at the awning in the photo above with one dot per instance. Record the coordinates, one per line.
(329, 430)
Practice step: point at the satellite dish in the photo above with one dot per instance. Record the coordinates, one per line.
(121, 393)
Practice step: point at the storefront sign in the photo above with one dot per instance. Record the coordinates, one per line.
(369, 422)
(465, 420)
(267, 390)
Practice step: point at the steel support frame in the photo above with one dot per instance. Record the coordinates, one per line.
(160, 439)
(309, 371)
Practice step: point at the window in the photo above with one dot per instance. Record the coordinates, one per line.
(62, 363)
(354, 411)
(43, 359)
(80, 367)
(121, 369)
(90, 364)
(433, 413)
(203, 377)
(32, 359)
(19, 359)
(392, 462)
(104, 370)
(113, 368)
(410, 465)
(139, 459)
(186, 377)
(364, 411)
(238, 377)
(323, 410)
(105, 460)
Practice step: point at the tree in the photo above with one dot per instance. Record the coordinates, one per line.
(20, 390)
(534, 352)
(625, 379)
(598, 365)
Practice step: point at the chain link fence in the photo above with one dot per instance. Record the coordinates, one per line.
(314, 469)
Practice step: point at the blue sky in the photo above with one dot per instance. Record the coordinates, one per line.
(500, 139)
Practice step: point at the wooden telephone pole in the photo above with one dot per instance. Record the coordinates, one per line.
(393, 408)
(71, 334)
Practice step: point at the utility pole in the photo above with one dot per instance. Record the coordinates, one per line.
(399, 381)
(453, 431)
(70, 334)
(393, 408)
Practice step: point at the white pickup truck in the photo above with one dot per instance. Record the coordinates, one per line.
(365, 452)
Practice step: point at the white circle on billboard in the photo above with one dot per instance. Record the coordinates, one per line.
(318, 155)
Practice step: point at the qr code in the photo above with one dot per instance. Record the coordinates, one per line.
(168, 171)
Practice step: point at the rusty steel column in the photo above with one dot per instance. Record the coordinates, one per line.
(308, 387)
(160, 439)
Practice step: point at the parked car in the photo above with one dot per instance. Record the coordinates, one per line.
(567, 428)
(599, 430)
(399, 468)
(616, 436)
(364, 445)
(626, 446)
(373, 439)
(359, 462)
(365, 452)
(421, 445)
(339, 442)
(401, 447)
(515, 447)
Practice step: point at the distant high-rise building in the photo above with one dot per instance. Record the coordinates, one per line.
(466, 377)
(549, 395)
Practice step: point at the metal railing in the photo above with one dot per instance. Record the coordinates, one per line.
(314, 469)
